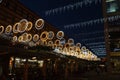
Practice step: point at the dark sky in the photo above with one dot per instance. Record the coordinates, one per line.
(85, 34)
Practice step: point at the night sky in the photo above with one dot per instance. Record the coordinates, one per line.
(92, 36)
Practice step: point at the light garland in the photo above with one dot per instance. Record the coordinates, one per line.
(39, 24)
(92, 22)
(1, 29)
(71, 7)
(8, 29)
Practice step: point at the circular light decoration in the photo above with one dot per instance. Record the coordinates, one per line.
(1, 29)
(60, 34)
(35, 37)
(67, 45)
(57, 42)
(29, 27)
(78, 44)
(25, 37)
(15, 28)
(39, 24)
(50, 35)
(22, 25)
(20, 38)
(44, 36)
(8, 29)
(29, 37)
(83, 48)
(50, 43)
(14, 39)
(54, 46)
(70, 41)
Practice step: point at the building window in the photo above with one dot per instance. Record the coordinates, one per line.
(112, 6)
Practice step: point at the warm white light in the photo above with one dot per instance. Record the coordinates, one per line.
(1, 29)
(39, 24)
(8, 29)
(22, 26)
(60, 34)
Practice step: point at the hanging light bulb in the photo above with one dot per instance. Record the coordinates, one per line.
(60, 34)
(1, 29)
(15, 28)
(8, 29)
(39, 24)
(29, 27)
(22, 26)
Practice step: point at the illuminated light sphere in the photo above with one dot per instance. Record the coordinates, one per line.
(39, 24)
(50, 43)
(70, 41)
(25, 37)
(44, 36)
(22, 25)
(8, 29)
(57, 42)
(35, 37)
(20, 39)
(15, 28)
(29, 37)
(14, 39)
(51, 35)
(78, 44)
(60, 34)
(1, 29)
(29, 27)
